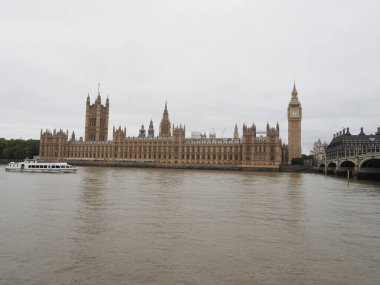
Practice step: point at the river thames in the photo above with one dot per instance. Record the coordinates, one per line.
(161, 226)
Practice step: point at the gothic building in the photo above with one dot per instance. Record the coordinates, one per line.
(96, 126)
(165, 123)
(294, 126)
(252, 150)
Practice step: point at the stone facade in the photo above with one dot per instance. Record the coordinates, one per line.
(319, 151)
(253, 150)
(96, 125)
(344, 144)
(294, 126)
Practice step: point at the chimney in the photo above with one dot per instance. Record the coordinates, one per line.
(344, 131)
(348, 131)
(361, 132)
(378, 132)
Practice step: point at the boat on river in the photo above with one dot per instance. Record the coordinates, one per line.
(33, 165)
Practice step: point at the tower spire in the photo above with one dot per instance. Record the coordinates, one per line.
(165, 123)
(294, 92)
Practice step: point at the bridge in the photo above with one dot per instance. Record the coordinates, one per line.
(358, 155)
(367, 164)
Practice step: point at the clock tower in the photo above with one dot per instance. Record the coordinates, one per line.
(294, 126)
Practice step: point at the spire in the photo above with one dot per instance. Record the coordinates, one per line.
(166, 113)
(236, 132)
(165, 123)
(151, 129)
(98, 99)
(294, 92)
(294, 99)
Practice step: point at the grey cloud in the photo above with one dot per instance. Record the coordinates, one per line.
(217, 63)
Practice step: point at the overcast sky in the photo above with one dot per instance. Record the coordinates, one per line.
(217, 63)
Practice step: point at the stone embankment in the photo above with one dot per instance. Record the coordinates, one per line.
(282, 168)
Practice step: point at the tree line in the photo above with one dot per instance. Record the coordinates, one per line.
(18, 149)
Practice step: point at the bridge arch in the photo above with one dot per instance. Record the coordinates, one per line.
(370, 162)
(347, 163)
(331, 164)
(322, 165)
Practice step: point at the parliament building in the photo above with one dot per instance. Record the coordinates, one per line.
(171, 148)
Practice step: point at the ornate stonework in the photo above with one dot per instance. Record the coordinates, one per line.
(165, 123)
(294, 126)
(96, 126)
(253, 150)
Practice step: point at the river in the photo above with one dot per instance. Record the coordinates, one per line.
(162, 226)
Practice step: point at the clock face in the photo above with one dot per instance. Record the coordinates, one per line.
(294, 113)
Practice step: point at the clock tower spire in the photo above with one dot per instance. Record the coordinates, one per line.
(294, 126)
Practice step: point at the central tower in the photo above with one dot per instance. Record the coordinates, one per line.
(294, 126)
(96, 125)
(165, 123)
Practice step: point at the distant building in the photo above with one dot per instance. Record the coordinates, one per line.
(261, 150)
(344, 144)
(319, 151)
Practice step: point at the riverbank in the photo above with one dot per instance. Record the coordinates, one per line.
(144, 164)
(138, 164)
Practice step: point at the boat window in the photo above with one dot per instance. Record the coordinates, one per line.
(45, 166)
(29, 166)
(53, 166)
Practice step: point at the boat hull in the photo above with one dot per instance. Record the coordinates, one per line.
(33, 166)
(69, 170)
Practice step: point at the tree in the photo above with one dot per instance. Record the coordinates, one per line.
(18, 149)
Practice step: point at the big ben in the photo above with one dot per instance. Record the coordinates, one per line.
(294, 126)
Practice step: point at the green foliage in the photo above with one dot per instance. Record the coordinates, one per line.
(18, 149)
(305, 160)
(297, 161)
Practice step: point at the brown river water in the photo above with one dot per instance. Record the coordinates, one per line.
(160, 226)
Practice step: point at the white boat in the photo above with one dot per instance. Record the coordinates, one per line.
(33, 165)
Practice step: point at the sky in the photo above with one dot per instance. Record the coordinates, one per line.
(216, 63)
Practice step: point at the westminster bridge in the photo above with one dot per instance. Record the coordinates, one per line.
(368, 163)
(356, 154)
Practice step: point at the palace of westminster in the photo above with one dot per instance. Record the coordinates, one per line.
(252, 150)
